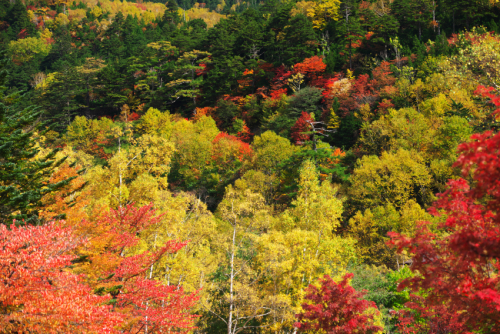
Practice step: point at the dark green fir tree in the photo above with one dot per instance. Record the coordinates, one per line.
(23, 179)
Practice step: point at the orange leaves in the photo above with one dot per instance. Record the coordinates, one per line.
(118, 268)
(276, 95)
(141, 6)
(206, 111)
(66, 201)
(336, 155)
(37, 294)
(311, 67)
(227, 147)
(203, 70)
(382, 75)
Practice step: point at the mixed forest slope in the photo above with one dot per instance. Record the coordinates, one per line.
(249, 167)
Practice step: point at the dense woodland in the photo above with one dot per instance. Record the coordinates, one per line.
(324, 166)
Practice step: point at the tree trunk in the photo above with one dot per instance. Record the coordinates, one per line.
(231, 301)
(434, 15)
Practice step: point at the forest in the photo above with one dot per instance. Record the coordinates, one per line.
(282, 166)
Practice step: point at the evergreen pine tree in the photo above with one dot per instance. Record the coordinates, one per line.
(22, 179)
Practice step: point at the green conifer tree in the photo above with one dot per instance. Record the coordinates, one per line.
(23, 180)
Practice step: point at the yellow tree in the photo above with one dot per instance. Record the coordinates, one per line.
(394, 178)
(269, 151)
(323, 11)
(370, 229)
(184, 218)
(134, 175)
(244, 216)
(301, 246)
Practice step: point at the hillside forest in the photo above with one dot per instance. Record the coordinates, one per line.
(313, 166)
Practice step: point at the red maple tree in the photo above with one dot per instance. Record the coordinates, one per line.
(115, 290)
(336, 308)
(312, 68)
(38, 294)
(299, 131)
(458, 260)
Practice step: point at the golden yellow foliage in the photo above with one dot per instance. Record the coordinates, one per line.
(210, 18)
(394, 178)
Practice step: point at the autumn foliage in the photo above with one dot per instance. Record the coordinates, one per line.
(458, 262)
(126, 275)
(336, 308)
(38, 293)
(301, 128)
(311, 67)
(108, 288)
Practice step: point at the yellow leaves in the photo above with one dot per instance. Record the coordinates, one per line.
(209, 17)
(243, 209)
(163, 46)
(333, 120)
(270, 150)
(46, 34)
(76, 15)
(302, 7)
(319, 12)
(371, 227)
(364, 113)
(61, 19)
(350, 75)
(324, 11)
(435, 107)
(156, 122)
(405, 128)
(147, 11)
(316, 207)
(83, 133)
(137, 174)
(221, 6)
(96, 11)
(153, 156)
(91, 67)
(393, 178)
(25, 49)
(295, 81)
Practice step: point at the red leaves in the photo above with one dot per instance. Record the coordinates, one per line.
(487, 93)
(227, 146)
(158, 306)
(276, 95)
(37, 294)
(144, 302)
(311, 67)
(202, 70)
(22, 34)
(382, 76)
(133, 117)
(456, 265)
(384, 106)
(281, 78)
(336, 308)
(357, 92)
(301, 127)
(141, 6)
